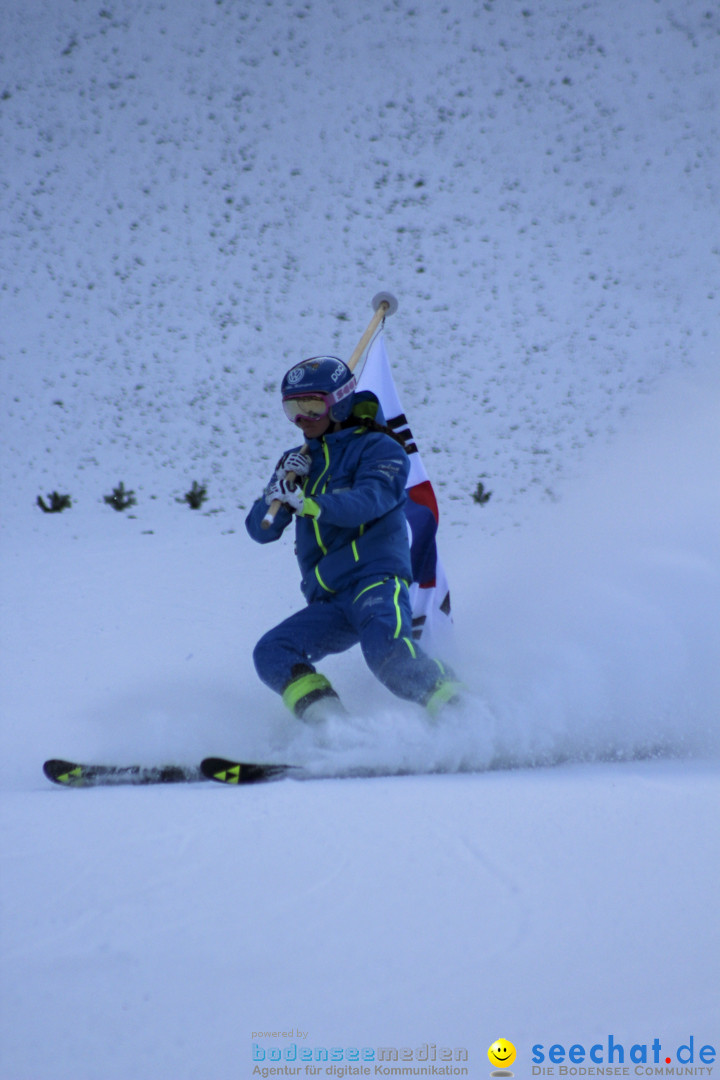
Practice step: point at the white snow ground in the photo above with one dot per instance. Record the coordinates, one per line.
(194, 195)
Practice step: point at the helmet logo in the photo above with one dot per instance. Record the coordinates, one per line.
(338, 373)
(295, 376)
(348, 388)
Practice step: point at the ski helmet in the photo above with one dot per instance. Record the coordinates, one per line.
(324, 380)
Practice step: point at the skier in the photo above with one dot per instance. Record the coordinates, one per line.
(352, 547)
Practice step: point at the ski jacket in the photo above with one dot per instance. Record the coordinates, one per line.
(359, 531)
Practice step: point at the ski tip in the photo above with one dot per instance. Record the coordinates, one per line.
(63, 772)
(225, 771)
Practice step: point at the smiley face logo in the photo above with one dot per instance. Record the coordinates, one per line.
(501, 1054)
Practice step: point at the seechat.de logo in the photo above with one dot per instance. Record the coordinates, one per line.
(501, 1054)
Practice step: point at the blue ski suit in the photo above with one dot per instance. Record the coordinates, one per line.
(354, 555)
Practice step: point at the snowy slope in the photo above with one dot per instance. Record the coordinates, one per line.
(194, 196)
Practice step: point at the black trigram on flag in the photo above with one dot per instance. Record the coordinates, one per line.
(401, 428)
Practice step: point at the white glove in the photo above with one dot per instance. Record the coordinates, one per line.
(292, 461)
(290, 496)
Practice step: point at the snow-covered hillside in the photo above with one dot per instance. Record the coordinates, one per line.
(194, 195)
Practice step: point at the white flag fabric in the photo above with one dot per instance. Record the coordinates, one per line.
(429, 591)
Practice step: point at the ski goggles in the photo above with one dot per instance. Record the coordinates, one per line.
(308, 406)
(314, 406)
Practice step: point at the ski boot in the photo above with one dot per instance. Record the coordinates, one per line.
(310, 697)
(447, 692)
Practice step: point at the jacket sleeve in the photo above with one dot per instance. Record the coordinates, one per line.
(377, 487)
(275, 529)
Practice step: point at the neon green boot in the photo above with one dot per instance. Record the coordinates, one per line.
(446, 692)
(310, 697)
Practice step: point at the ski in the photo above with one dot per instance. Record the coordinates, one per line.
(225, 771)
(222, 770)
(76, 774)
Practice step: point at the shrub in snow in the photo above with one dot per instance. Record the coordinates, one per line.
(480, 495)
(55, 504)
(196, 496)
(120, 498)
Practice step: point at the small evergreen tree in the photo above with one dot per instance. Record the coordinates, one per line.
(480, 495)
(120, 498)
(196, 496)
(56, 503)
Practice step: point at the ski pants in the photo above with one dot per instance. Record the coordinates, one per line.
(377, 615)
